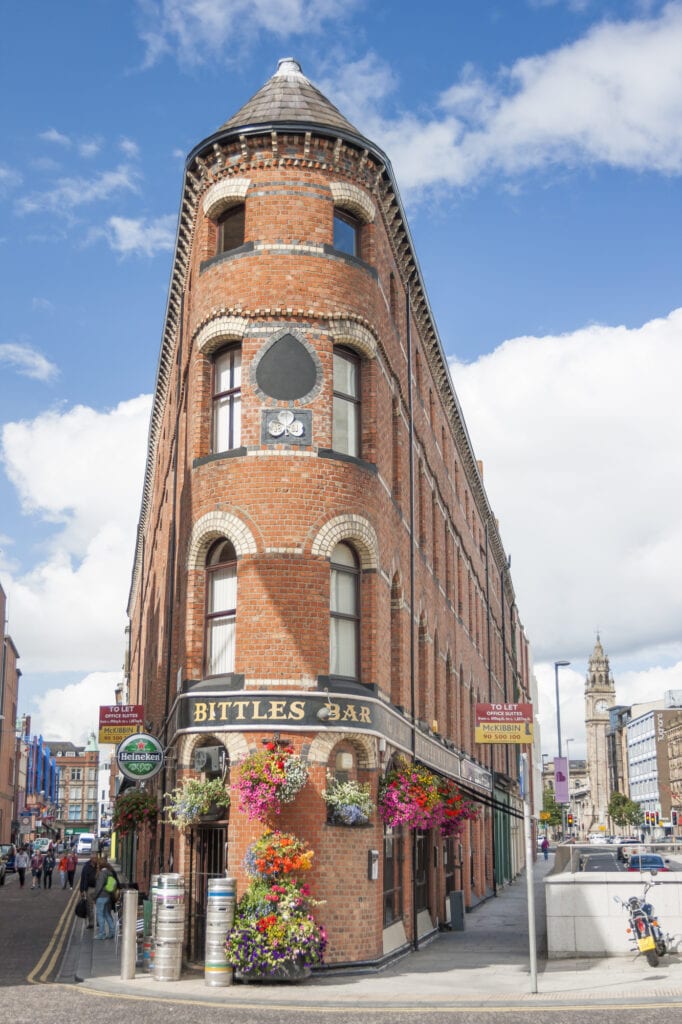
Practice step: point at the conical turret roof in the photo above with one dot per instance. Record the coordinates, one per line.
(289, 97)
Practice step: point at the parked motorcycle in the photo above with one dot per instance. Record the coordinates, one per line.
(644, 930)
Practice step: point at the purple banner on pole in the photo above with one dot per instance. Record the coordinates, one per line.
(561, 780)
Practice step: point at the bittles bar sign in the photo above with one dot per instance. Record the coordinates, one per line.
(504, 723)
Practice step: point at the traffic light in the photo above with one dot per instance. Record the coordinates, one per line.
(673, 817)
(657, 817)
(569, 820)
(647, 820)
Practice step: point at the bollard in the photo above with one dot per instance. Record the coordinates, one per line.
(129, 934)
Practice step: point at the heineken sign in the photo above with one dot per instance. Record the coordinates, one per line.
(139, 757)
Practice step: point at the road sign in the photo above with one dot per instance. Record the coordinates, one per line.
(504, 723)
(116, 721)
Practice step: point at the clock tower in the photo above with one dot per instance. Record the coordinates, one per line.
(600, 695)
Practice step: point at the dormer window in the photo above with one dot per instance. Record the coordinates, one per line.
(231, 228)
(346, 233)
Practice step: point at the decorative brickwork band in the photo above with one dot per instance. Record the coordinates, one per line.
(354, 200)
(216, 332)
(346, 332)
(353, 528)
(224, 194)
(234, 742)
(212, 526)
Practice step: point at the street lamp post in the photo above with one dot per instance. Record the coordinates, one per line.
(568, 770)
(557, 666)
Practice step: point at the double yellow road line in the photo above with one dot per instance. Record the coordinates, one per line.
(48, 961)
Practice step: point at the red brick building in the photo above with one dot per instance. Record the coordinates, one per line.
(316, 557)
(9, 696)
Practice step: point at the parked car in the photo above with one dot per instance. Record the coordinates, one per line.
(647, 862)
(600, 862)
(3, 869)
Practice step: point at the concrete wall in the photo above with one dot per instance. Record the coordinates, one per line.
(584, 920)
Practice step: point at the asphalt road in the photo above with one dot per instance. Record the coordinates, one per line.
(34, 925)
(49, 1004)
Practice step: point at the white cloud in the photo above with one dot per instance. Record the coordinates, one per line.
(632, 687)
(27, 362)
(613, 97)
(130, 148)
(72, 712)
(89, 148)
(195, 30)
(579, 436)
(52, 135)
(127, 235)
(9, 178)
(68, 611)
(70, 193)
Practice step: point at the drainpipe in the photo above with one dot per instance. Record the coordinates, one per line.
(172, 558)
(413, 703)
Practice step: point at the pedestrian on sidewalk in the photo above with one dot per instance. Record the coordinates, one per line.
(21, 862)
(544, 846)
(105, 919)
(71, 868)
(88, 882)
(63, 869)
(48, 868)
(36, 869)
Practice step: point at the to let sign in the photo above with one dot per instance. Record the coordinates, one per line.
(504, 723)
(116, 721)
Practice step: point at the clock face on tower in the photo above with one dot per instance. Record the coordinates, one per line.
(601, 705)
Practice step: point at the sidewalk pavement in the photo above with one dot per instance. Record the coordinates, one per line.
(487, 964)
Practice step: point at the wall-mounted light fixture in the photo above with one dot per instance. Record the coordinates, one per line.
(324, 713)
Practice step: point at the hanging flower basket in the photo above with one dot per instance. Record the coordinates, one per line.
(193, 799)
(409, 795)
(456, 809)
(275, 936)
(268, 779)
(348, 803)
(276, 854)
(133, 810)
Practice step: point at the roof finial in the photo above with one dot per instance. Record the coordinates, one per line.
(288, 66)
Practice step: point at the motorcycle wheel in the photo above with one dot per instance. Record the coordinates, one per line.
(661, 948)
(651, 957)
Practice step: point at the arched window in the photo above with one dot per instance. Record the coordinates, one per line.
(346, 411)
(344, 632)
(231, 228)
(227, 399)
(221, 608)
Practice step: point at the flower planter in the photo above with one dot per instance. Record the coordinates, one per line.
(286, 972)
(349, 817)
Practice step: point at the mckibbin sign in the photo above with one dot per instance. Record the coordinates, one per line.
(239, 711)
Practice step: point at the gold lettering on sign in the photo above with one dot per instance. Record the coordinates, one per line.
(297, 710)
(200, 714)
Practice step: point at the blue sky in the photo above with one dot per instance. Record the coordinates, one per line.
(538, 148)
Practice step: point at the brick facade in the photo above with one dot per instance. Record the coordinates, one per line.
(285, 501)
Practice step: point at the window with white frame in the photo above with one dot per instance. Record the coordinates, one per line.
(221, 608)
(344, 633)
(346, 410)
(227, 399)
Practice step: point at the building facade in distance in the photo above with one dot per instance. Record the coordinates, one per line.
(78, 796)
(317, 561)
